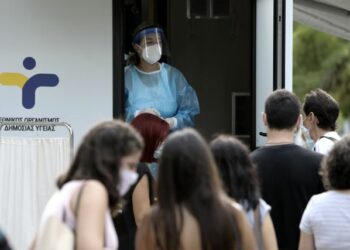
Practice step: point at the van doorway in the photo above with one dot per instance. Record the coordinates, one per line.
(212, 43)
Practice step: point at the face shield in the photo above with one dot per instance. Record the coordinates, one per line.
(152, 44)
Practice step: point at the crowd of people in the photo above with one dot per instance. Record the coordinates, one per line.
(141, 186)
(152, 183)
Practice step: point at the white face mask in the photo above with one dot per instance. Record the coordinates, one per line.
(127, 178)
(309, 143)
(152, 54)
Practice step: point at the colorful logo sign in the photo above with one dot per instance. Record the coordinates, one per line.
(28, 85)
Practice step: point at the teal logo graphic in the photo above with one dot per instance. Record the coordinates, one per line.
(28, 84)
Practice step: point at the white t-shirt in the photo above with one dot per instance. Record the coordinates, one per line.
(323, 145)
(327, 217)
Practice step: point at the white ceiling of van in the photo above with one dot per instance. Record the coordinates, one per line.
(330, 16)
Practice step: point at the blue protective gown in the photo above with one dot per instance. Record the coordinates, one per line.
(165, 90)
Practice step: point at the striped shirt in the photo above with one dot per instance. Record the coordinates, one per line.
(327, 218)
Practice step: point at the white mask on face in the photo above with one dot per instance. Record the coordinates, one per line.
(152, 54)
(127, 178)
(309, 143)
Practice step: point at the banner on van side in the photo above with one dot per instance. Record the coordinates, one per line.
(55, 65)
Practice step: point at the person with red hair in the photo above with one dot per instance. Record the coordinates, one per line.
(141, 196)
(154, 130)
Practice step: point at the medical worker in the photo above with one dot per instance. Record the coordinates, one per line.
(156, 87)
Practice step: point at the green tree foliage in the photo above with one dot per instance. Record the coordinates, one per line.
(321, 61)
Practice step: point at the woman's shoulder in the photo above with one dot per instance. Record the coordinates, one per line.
(243, 224)
(90, 192)
(171, 69)
(142, 169)
(95, 184)
(264, 207)
(129, 69)
(95, 188)
(233, 205)
(324, 201)
(91, 198)
(329, 197)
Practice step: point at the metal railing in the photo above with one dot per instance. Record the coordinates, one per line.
(60, 124)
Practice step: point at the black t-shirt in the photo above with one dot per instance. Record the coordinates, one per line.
(289, 176)
(124, 222)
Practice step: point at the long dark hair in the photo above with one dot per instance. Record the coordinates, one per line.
(100, 153)
(237, 170)
(188, 178)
